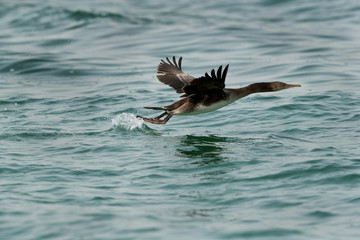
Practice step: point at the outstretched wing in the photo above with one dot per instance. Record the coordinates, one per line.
(208, 85)
(172, 75)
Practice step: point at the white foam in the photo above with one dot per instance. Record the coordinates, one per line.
(128, 121)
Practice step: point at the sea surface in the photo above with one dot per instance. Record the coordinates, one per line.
(75, 162)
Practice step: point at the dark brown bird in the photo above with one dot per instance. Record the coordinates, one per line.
(203, 94)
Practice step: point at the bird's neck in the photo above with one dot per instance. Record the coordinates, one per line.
(250, 89)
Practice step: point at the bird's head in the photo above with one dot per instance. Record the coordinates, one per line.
(277, 86)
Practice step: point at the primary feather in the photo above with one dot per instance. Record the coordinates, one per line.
(172, 75)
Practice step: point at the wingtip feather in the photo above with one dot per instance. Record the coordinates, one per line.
(219, 71)
(225, 72)
(213, 73)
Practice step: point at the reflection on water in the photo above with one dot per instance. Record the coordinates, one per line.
(205, 149)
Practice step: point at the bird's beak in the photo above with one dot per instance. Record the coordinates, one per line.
(291, 85)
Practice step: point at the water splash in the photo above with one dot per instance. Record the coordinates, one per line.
(128, 121)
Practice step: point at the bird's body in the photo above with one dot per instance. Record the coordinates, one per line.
(202, 108)
(203, 94)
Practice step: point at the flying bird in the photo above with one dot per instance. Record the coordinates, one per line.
(203, 94)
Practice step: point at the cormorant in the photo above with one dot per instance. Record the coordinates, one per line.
(203, 94)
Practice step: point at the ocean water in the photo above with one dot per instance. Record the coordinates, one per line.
(75, 163)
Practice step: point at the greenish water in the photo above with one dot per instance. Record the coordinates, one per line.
(75, 163)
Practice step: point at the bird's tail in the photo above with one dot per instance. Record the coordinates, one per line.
(155, 108)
